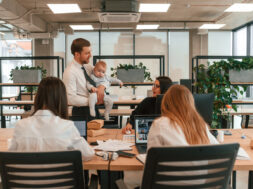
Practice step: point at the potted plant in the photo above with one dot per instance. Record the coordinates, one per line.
(131, 73)
(215, 79)
(28, 74)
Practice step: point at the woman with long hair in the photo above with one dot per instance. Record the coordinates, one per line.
(48, 128)
(180, 123)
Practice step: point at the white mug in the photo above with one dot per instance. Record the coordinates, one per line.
(220, 136)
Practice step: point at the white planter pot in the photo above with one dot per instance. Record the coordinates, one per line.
(26, 76)
(131, 75)
(241, 76)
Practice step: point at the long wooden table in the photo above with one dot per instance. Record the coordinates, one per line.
(123, 163)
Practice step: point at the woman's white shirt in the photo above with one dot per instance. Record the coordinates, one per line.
(165, 133)
(46, 132)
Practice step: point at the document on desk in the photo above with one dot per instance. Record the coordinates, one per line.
(242, 154)
(141, 158)
(113, 145)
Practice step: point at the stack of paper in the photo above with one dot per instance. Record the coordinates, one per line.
(113, 145)
(242, 154)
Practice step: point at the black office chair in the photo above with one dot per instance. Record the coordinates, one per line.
(158, 104)
(203, 104)
(187, 83)
(166, 167)
(47, 169)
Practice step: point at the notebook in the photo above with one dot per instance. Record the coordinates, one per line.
(142, 125)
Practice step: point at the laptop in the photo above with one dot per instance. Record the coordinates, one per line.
(81, 125)
(142, 125)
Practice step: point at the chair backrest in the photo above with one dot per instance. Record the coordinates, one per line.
(187, 83)
(204, 105)
(207, 166)
(41, 169)
(158, 103)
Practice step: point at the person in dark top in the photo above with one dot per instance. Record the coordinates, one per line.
(147, 106)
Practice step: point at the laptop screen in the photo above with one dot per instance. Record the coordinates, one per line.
(142, 126)
(81, 125)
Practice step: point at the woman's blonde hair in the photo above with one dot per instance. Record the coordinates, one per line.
(178, 105)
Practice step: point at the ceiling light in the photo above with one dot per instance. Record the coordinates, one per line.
(240, 7)
(146, 27)
(145, 7)
(64, 8)
(1, 33)
(81, 27)
(211, 26)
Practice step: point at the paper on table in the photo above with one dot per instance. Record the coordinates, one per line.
(113, 145)
(141, 158)
(129, 138)
(242, 154)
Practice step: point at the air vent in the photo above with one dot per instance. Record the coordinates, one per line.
(119, 17)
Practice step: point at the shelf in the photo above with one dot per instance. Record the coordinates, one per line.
(242, 102)
(19, 84)
(135, 83)
(241, 83)
(25, 102)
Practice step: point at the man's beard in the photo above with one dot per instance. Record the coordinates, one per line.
(84, 62)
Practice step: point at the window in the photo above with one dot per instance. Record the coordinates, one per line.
(13, 48)
(240, 42)
(179, 55)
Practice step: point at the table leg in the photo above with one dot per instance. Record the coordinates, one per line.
(232, 121)
(3, 124)
(250, 185)
(234, 180)
(247, 121)
(120, 121)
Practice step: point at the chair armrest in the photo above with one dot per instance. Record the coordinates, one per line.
(93, 182)
(120, 184)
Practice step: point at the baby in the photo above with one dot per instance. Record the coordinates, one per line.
(100, 78)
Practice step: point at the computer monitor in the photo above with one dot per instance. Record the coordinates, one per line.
(81, 125)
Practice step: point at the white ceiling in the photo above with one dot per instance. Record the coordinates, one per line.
(35, 16)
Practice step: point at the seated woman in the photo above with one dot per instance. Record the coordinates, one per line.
(147, 106)
(48, 128)
(179, 125)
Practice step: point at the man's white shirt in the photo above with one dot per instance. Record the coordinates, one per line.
(75, 83)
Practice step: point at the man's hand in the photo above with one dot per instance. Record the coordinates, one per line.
(100, 94)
